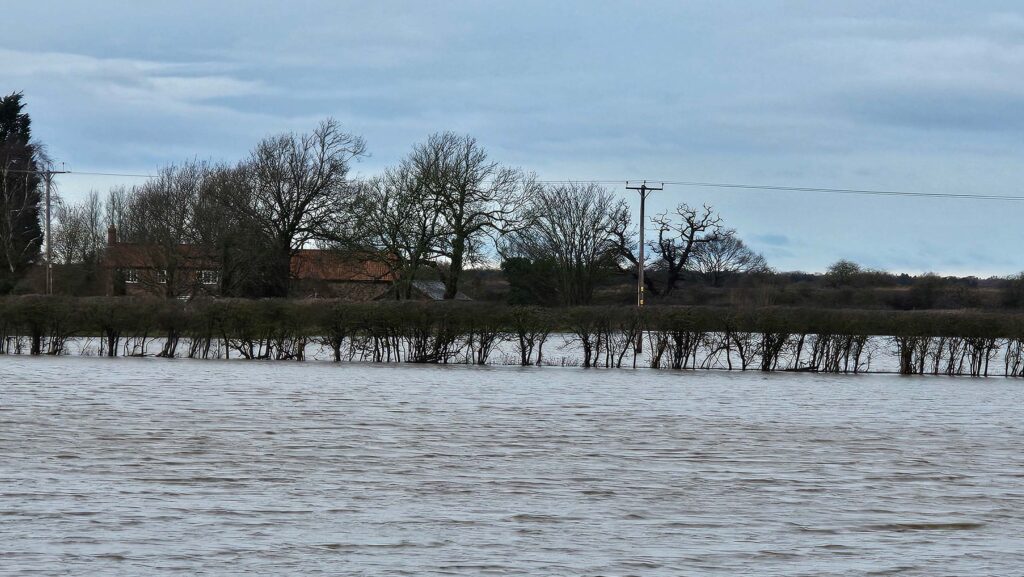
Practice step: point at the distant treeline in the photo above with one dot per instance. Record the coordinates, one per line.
(867, 289)
(766, 339)
(439, 213)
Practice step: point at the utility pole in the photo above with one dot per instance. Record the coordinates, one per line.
(48, 178)
(644, 190)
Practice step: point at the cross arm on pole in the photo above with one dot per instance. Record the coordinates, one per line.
(644, 189)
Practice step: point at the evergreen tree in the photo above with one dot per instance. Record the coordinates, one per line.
(21, 235)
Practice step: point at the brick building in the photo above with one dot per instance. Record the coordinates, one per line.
(184, 271)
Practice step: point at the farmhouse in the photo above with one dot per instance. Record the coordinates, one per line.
(185, 270)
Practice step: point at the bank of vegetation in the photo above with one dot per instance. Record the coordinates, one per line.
(767, 339)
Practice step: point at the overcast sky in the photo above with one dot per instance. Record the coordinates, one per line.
(922, 96)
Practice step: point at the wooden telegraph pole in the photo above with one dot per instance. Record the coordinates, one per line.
(644, 190)
(48, 178)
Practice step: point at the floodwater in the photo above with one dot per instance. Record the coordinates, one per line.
(176, 467)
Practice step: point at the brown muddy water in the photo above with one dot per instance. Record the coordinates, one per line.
(176, 467)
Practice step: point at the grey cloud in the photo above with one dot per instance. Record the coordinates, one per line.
(951, 110)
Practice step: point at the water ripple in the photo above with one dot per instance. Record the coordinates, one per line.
(151, 467)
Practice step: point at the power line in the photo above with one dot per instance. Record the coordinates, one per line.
(741, 186)
(854, 191)
(77, 172)
(114, 174)
(848, 191)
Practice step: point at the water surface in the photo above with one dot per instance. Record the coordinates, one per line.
(176, 467)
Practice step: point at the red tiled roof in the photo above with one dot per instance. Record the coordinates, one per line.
(325, 265)
(142, 256)
(307, 264)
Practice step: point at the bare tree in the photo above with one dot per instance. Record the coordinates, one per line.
(161, 224)
(395, 222)
(229, 237)
(627, 245)
(724, 256)
(473, 195)
(79, 243)
(679, 235)
(299, 185)
(571, 224)
(78, 232)
(116, 207)
(159, 219)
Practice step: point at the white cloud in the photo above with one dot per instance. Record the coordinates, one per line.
(126, 79)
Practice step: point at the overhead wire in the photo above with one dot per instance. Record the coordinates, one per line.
(772, 187)
(724, 185)
(856, 191)
(77, 172)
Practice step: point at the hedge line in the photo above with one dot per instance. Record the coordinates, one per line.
(96, 316)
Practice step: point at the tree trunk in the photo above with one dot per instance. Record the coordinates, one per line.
(280, 277)
(451, 283)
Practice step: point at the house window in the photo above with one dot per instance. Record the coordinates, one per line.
(161, 276)
(131, 275)
(209, 277)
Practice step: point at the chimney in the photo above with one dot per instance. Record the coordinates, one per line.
(111, 235)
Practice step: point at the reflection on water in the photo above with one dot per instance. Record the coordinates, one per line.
(149, 467)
